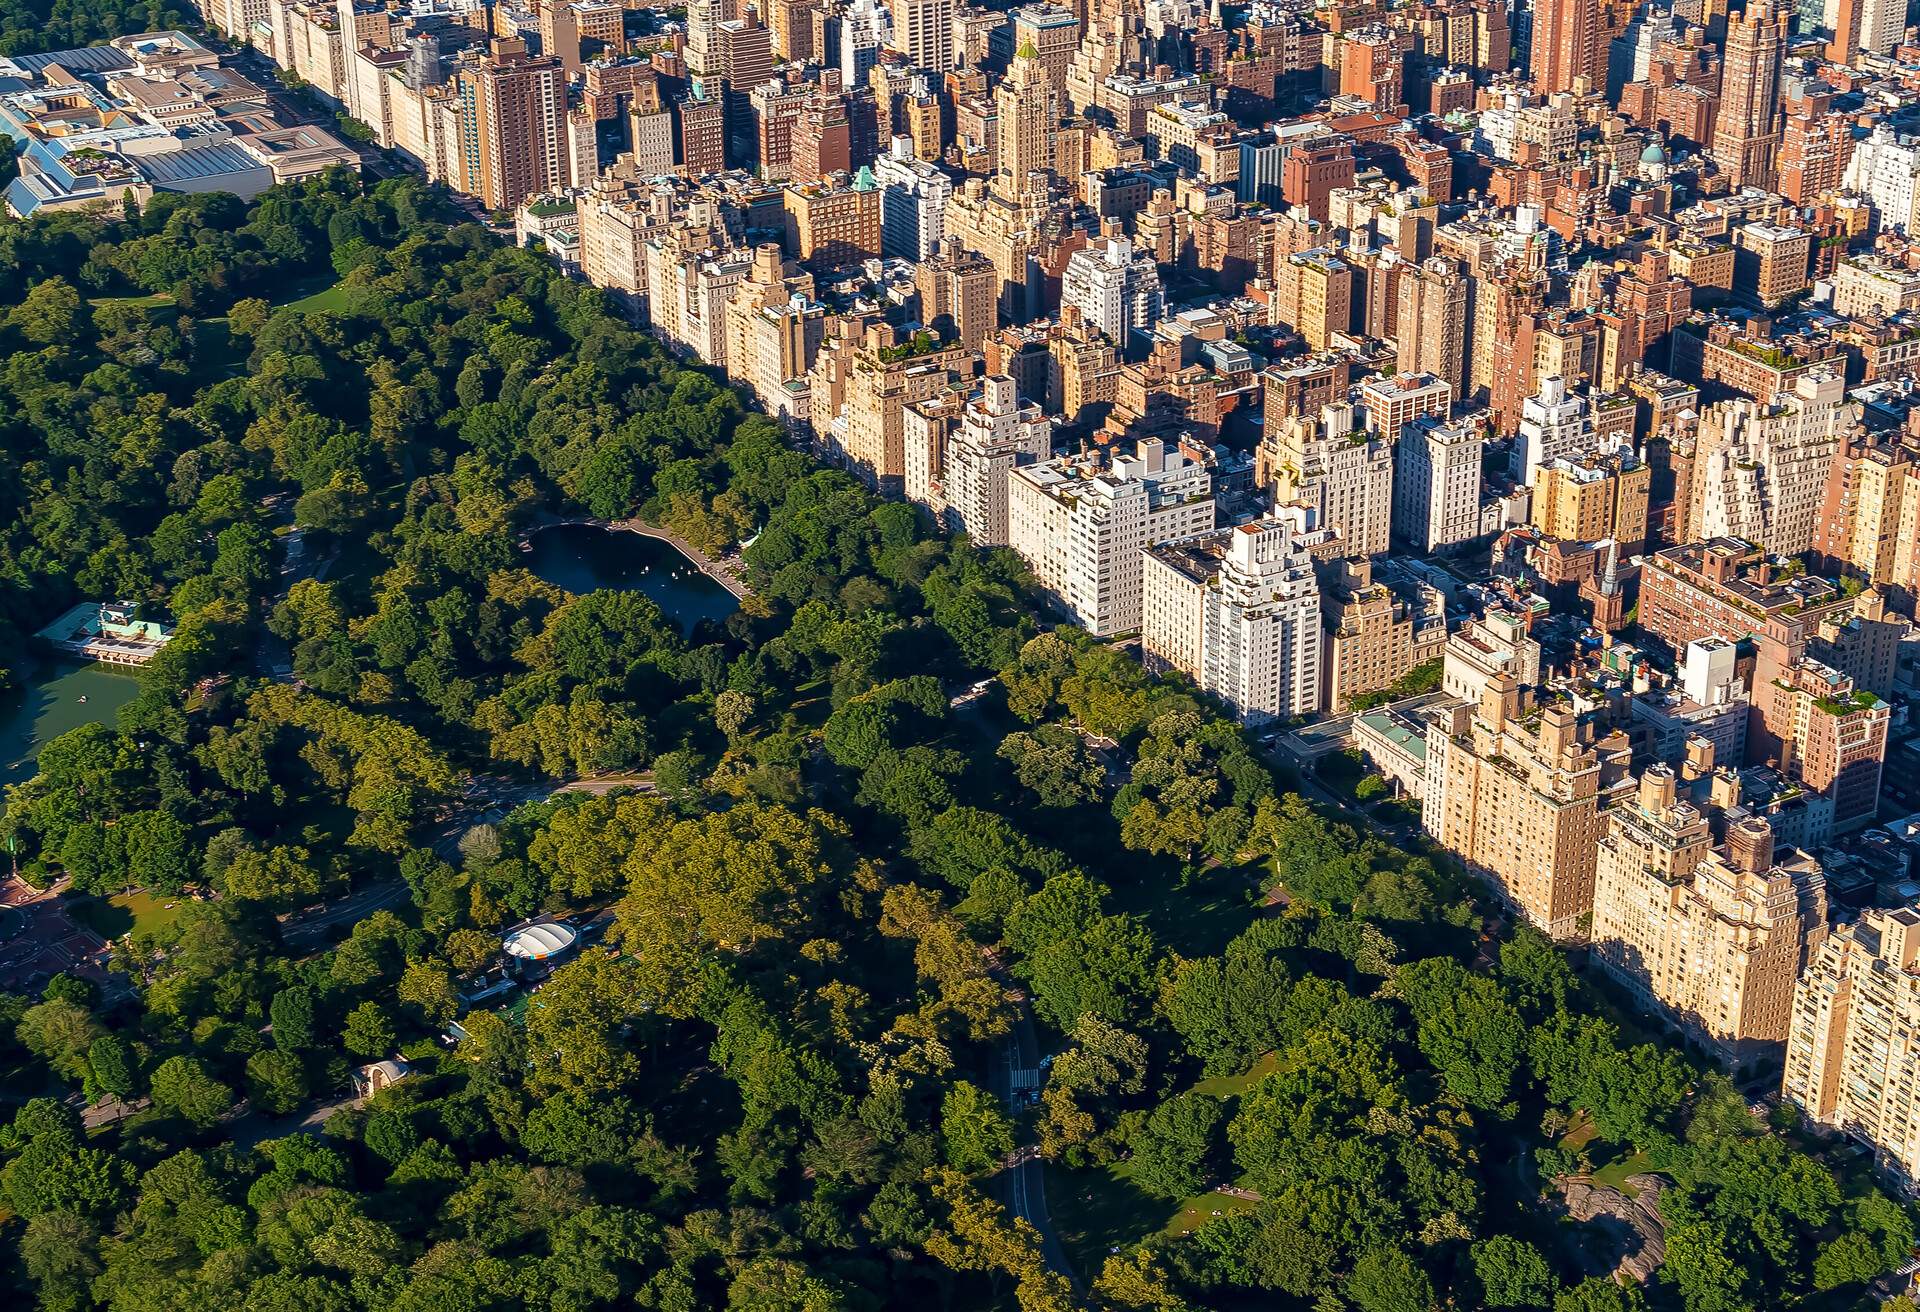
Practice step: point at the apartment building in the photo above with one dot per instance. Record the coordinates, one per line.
(1521, 793)
(1115, 287)
(1709, 937)
(1594, 499)
(1331, 464)
(836, 222)
(1854, 1040)
(1238, 609)
(1493, 644)
(1432, 324)
(1082, 523)
(995, 434)
(1761, 469)
(913, 203)
(513, 125)
(1816, 724)
(1553, 426)
(885, 372)
(1377, 631)
(1436, 483)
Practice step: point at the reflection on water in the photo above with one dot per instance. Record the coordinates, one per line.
(56, 697)
(582, 559)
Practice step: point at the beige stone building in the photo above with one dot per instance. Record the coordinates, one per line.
(1328, 462)
(1083, 370)
(1520, 793)
(959, 295)
(1855, 1037)
(1376, 634)
(1594, 498)
(884, 374)
(1710, 938)
(1314, 295)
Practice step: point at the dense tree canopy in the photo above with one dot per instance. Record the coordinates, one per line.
(837, 907)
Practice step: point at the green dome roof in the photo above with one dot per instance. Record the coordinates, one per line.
(1653, 154)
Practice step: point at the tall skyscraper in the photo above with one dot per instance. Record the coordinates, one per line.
(1746, 132)
(923, 32)
(863, 30)
(1027, 114)
(1431, 323)
(513, 125)
(1567, 44)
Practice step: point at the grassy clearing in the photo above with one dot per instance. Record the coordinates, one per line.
(331, 299)
(1101, 1209)
(1232, 1086)
(148, 301)
(1614, 1174)
(1580, 1133)
(141, 913)
(1197, 918)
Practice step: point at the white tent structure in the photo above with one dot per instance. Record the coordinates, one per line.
(539, 941)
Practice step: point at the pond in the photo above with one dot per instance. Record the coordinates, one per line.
(56, 696)
(584, 558)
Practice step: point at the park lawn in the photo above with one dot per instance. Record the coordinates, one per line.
(1580, 1133)
(1099, 1209)
(124, 912)
(1232, 1086)
(1614, 1174)
(331, 299)
(1198, 918)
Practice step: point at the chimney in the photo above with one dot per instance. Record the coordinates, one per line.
(1500, 701)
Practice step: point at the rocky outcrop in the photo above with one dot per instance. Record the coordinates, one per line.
(1635, 1214)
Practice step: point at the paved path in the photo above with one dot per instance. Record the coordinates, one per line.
(502, 795)
(1025, 1174)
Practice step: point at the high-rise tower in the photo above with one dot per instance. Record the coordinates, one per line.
(1746, 132)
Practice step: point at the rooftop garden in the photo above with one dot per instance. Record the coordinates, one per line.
(1857, 700)
(1773, 357)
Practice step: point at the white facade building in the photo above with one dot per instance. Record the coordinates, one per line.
(1082, 524)
(1436, 483)
(1116, 287)
(995, 435)
(1884, 169)
(913, 203)
(1761, 470)
(1553, 426)
(1238, 609)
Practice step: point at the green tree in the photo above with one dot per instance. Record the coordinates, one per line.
(1177, 1151)
(975, 1130)
(111, 1067)
(1512, 1273)
(276, 1080)
(1389, 1280)
(184, 1086)
(292, 1013)
(1600, 1294)
(368, 1031)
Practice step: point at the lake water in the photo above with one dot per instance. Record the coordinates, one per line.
(582, 559)
(50, 702)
